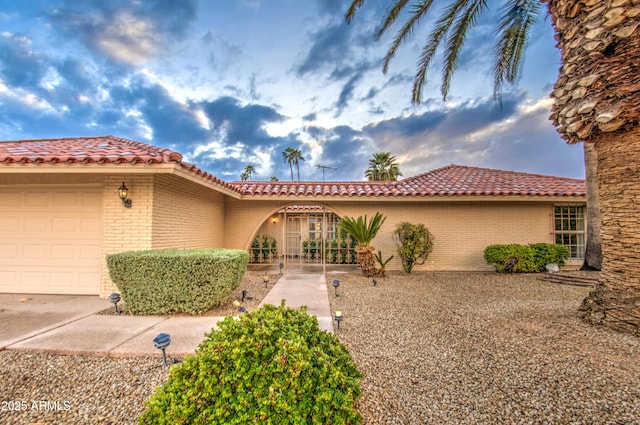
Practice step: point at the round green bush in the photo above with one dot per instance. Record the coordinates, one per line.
(271, 366)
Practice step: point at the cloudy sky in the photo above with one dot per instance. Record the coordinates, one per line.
(234, 82)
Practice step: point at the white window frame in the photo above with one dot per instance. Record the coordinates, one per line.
(570, 228)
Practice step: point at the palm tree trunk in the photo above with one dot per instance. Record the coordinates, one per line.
(593, 252)
(615, 302)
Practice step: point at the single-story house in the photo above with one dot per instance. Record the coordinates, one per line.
(61, 212)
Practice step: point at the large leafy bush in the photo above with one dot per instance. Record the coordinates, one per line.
(270, 366)
(414, 243)
(176, 280)
(533, 258)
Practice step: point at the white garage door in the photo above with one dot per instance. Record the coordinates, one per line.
(50, 240)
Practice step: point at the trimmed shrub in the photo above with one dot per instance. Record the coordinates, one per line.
(533, 258)
(176, 280)
(271, 366)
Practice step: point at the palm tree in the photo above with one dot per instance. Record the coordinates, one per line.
(244, 176)
(248, 172)
(383, 167)
(364, 232)
(293, 156)
(596, 101)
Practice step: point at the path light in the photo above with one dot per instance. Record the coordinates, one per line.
(244, 294)
(336, 283)
(115, 299)
(338, 317)
(161, 342)
(265, 279)
(375, 282)
(281, 267)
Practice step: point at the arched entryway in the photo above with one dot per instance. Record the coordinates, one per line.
(302, 234)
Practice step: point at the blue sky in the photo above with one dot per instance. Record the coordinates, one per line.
(231, 83)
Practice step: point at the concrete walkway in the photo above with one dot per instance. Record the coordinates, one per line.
(70, 325)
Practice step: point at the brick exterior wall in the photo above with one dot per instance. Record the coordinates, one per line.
(462, 230)
(125, 229)
(186, 215)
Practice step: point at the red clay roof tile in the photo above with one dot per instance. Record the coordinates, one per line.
(452, 180)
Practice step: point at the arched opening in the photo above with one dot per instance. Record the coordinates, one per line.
(302, 234)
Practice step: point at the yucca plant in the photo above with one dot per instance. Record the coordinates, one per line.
(364, 232)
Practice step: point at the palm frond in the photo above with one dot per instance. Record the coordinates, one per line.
(463, 23)
(391, 17)
(406, 30)
(518, 16)
(360, 230)
(429, 50)
(351, 12)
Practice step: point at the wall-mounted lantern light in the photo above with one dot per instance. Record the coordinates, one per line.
(274, 219)
(123, 192)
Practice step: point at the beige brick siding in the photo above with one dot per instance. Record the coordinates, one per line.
(186, 215)
(125, 229)
(462, 230)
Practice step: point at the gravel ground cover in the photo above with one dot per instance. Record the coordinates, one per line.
(435, 348)
(481, 348)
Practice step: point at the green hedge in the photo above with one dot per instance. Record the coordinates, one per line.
(176, 280)
(531, 258)
(270, 366)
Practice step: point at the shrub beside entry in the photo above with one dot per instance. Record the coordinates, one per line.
(176, 280)
(531, 258)
(271, 366)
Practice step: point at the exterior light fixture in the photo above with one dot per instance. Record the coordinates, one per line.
(161, 342)
(336, 283)
(274, 219)
(265, 279)
(115, 299)
(375, 282)
(281, 267)
(243, 310)
(123, 192)
(338, 317)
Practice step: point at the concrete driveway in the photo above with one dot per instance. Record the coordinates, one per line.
(23, 316)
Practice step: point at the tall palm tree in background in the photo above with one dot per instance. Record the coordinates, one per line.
(293, 156)
(597, 100)
(248, 172)
(383, 167)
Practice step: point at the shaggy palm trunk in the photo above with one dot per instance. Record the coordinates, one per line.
(616, 300)
(367, 260)
(593, 252)
(597, 101)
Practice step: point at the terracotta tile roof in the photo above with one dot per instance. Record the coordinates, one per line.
(452, 180)
(94, 150)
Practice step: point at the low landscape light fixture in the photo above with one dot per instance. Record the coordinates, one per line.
(281, 267)
(115, 299)
(161, 342)
(338, 317)
(265, 279)
(123, 192)
(336, 283)
(375, 282)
